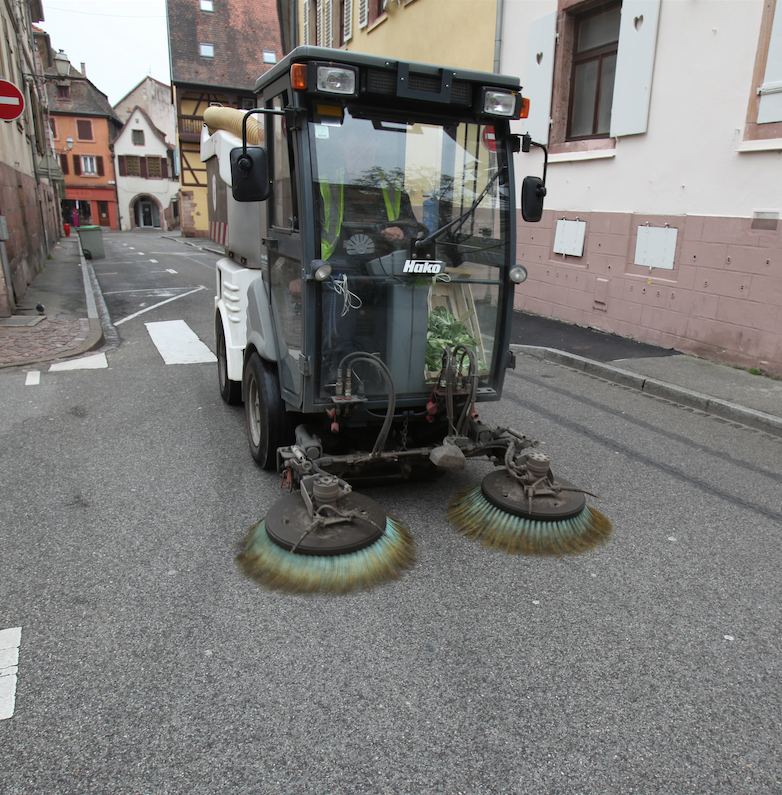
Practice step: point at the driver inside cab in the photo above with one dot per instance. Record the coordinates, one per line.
(360, 193)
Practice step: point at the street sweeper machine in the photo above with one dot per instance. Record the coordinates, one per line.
(363, 310)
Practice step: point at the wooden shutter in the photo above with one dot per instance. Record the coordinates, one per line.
(634, 67)
(305, 22)
(99, 165)
(84, 129)
(319, 22)
(77, 165)
(328, 24)
(362, 13)
(347, 23)
(142, 164)
(770, 109)
(539, 79)
(64, 164)
(164, 167)
(123, 168)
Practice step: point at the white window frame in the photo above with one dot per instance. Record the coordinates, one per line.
(89, 165)
(206, 50)
(207, 5)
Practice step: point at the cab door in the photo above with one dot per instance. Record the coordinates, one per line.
(283, 246)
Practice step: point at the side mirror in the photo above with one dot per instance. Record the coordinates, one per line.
(533, 190)
(250, 174)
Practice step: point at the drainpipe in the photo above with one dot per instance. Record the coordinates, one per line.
(498, 36)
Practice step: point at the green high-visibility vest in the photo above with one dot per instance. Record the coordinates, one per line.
(333, 196)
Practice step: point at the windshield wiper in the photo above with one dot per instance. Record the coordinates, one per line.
(422, 243)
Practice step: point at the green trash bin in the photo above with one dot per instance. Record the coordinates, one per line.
(91, 238)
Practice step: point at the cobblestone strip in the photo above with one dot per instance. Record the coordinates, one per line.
(50, 339)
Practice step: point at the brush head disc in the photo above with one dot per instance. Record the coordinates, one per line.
(280, 570)
(288, 520)
(503, 491)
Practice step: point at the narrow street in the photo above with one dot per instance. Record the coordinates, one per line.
(148, 664)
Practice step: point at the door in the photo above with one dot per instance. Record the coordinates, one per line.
(283, 246)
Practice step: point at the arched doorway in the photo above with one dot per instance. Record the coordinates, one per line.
(146, 213)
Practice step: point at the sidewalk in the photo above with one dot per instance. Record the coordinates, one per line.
(70, 326)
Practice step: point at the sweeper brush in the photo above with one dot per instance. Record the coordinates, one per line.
(326, 539)
(525, 510)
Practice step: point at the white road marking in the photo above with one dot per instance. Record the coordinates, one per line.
(96, 361)
(155, 306)
(10, 640)
(154, 260)
(170, 270)
(177, 343)
(33, 378)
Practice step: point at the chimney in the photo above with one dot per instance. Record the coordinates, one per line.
(83, 70)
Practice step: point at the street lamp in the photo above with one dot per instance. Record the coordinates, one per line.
(62, 64)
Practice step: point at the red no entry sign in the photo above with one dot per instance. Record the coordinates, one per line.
(11, 101)
(489, 141)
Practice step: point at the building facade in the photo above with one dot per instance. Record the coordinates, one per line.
(218, 49)
(156, 99)
(147, 188)
(663, 120)
(84, 126)
(28, 172)
(462, 34)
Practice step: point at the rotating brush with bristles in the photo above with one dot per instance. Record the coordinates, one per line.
(493, 514)
(279, 569)
(346, 544)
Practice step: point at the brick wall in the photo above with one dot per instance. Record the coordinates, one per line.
(722, 300)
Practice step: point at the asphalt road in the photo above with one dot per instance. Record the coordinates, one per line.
(148, 665)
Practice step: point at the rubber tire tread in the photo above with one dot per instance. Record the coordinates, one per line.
(276, 429)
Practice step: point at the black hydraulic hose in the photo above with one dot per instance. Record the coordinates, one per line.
(473, 376)
(386, 373)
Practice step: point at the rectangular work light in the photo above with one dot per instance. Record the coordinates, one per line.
(497, 102)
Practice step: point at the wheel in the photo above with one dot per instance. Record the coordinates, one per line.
(268, 424)
(230, 391)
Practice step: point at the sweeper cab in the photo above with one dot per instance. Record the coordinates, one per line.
(363, 307)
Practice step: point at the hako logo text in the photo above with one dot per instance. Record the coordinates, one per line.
(422, 266)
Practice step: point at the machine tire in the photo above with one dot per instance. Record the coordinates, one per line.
(230, 391)
(268, 426)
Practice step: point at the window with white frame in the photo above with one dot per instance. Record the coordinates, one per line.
(269, 56)
(764, 118)
(206, 50)
(207, 5)
(88, 165)
(589, 72)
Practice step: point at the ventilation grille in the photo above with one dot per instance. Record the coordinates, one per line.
(383, 81)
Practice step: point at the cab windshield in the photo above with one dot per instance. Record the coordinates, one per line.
(413, 219)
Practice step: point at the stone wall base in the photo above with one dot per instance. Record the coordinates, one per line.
(30, 212)
(721, 300)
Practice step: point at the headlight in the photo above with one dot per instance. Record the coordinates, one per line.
(336, 80)
(500, 103)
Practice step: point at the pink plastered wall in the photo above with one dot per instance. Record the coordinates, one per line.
(722, 300)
